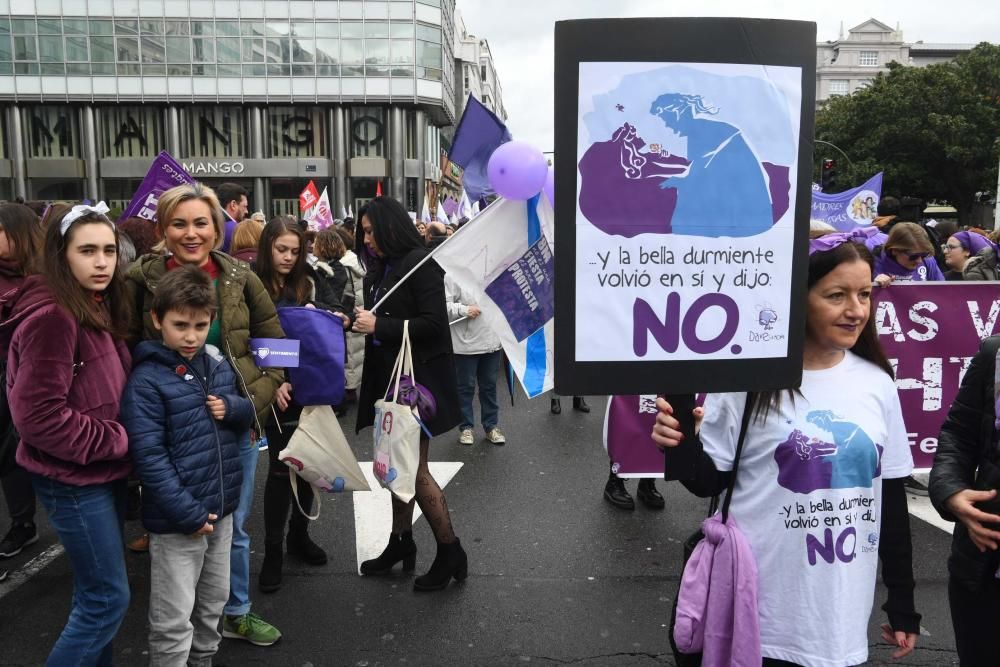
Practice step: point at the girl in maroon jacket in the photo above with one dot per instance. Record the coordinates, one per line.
(67, 367)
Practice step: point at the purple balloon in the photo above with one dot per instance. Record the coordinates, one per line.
(517, 170)
(550, 186)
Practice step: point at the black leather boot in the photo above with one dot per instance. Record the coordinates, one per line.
(580, 405)
(616, 493)
(556, 406)
(649, 496)
(449, 562)
(270, 571)
(302, 547)
(400, 548)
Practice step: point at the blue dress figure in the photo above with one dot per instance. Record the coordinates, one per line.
(725, 190)
(858, 458)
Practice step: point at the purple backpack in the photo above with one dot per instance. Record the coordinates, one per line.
(319, 377)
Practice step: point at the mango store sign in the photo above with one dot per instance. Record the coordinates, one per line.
(209, 168)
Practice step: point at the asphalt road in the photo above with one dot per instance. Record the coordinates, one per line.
(556, 575)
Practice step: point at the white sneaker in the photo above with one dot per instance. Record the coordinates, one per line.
(496, 436)
(465, 437)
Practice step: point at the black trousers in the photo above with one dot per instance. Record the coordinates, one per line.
(975, 616)
(278, 499)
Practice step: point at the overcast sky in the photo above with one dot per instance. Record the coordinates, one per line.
(520, 35)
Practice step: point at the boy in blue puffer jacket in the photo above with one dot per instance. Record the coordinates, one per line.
(184, 417)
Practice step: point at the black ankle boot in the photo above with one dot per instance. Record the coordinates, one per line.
(449, 562)
(302, 547)
(270, 571)
(556, 407)
(580, 405)
(649, 496)
(400, 548)
(616, 493)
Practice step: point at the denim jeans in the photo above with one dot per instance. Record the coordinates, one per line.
(189, 584)
(483, 368)
(89, 522)
(239, 556)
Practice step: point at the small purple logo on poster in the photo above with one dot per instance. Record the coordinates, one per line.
(524, 291)
(275, 352)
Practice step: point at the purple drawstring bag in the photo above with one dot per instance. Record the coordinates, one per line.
(416, 396)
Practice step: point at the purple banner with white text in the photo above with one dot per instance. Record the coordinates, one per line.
(163, 174)
(849, 209)
(930, 332)
(628, 428)
(275, 352)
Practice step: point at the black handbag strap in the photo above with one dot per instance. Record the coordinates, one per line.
(747, 409)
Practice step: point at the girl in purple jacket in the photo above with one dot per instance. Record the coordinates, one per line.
(67, 367)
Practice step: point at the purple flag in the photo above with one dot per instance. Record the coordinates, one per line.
(849, 209)
(478, 135)
(524, 291)
(628, 429)
(450, 206)
(163, 174)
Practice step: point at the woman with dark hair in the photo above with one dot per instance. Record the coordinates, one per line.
(289, 281)
(142, 232)
(67, 367)
(819, 488)
(959, 249)
(21, 237)
(390, 248)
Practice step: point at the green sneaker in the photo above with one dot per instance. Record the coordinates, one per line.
(250, 627)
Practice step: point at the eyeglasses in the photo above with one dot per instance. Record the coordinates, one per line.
(947, 246)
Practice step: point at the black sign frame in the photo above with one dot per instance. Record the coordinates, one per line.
(674, 40)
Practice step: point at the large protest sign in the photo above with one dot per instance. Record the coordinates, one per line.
(163, 174)
(681, 223)
(852, 208)
(930, 332)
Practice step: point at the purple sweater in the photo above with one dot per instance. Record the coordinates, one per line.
(64, 384)
(717, 601)
(924, 272)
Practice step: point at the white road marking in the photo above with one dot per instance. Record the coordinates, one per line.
(30, 569)
(920, 507)
(373, 509)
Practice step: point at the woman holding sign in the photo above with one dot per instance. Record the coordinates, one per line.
(390, 248)
(819, 490)
(190, 222)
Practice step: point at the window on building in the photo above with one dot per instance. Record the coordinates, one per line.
(295, 131)
(838, 86)
(51, 131)
(130, 131)
(868, 59)
(482, 73)
(216, 131)
(366, 132)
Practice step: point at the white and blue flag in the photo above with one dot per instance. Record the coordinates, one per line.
(505, 257)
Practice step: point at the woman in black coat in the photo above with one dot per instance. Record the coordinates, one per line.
(963, 488)
(390, 248)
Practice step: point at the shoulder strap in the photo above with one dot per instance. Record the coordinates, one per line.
(747, 409)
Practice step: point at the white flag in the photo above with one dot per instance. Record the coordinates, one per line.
(441, 215)
(485, 256)
(425, 212)
(465, 206)
(320, 216)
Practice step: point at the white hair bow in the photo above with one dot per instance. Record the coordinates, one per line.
(79, 211)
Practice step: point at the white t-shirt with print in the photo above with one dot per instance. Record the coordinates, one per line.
(808, 498)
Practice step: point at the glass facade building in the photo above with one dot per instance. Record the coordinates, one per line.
(269, 94)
